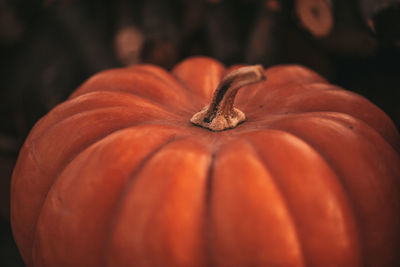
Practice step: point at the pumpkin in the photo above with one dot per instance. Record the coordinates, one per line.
(144, 167)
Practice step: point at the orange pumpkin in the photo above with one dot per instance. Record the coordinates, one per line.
(117, 175)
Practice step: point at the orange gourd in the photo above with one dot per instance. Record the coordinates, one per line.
(117, 175)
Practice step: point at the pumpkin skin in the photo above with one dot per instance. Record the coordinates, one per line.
(118, 176)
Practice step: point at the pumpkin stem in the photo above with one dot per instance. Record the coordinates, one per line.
(220, 114)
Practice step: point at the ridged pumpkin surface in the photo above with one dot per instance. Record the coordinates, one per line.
(118, 176)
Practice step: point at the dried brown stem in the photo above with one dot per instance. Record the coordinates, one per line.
(220, 114)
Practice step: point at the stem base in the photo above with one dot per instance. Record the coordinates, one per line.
(219, 122)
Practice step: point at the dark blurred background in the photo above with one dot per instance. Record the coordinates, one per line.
(49, 47)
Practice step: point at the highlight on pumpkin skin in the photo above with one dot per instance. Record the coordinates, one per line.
(220, 114)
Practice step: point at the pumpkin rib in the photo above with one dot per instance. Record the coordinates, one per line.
(140, 167)
(174, 110)
(105, 135)
(133, 83)
(379, 145)
(285, 91)
(170, 81)
(66, 163)
(360, 210)
(276, 82)
(290, 74)
(310, 252)
(356, 106)
(345, 119)
(96, 143)
(250, 217)
(88, 113)
(79, 107)
(71, 119)
(336, 98)
(161, 74)
(38, 165)
(352, 104)
(145, 229)
(78, 169)
(379, 141)
(349, 197)
(333, 168)
(284, 199)
(254, 108)
(388, 131)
